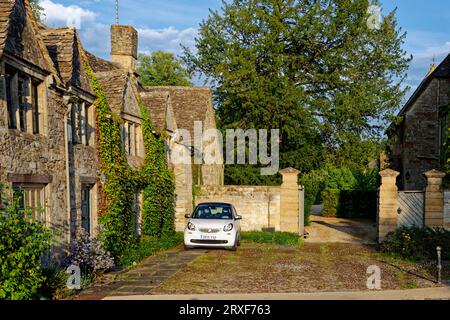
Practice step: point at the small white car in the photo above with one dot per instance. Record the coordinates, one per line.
(213, 225)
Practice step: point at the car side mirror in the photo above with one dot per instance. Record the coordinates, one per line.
(187, 216)
(238, 217)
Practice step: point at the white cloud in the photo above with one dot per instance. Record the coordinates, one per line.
(58, 15)
(169, 39)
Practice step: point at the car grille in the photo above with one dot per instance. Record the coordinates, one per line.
(209, 241)
(209, 230)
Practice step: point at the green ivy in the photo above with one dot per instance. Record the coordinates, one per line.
(117, 228)
(156, 180)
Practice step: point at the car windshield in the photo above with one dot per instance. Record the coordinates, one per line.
(213, 211)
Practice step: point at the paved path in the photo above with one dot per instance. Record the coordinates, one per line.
(337, 230)
(438, 293)
(150, 273)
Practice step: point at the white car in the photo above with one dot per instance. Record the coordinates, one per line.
(213, 225)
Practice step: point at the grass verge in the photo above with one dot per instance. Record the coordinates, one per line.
(279, 238)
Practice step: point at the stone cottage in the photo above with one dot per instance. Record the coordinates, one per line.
(416, 140)
(48, 149)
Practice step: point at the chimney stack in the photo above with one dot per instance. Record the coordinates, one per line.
(124, 46)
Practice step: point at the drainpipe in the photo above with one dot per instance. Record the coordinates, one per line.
(66, 147)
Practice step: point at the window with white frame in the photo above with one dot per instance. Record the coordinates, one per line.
(31, 197)
(23, 101)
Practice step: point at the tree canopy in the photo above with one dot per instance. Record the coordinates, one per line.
(162, 69)
(37, 9)
(314, 69)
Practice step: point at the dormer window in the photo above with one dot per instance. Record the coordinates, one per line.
(23, 101)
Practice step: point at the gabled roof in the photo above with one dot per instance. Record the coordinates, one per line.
(65, 49)
(101, 65)
(189, 104)
(113, 83)
(156, 103)
(441, 71)
(19, 34)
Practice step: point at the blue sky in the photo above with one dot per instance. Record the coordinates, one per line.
(165, 24)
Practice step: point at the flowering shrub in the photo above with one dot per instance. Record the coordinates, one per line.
(88, 253)
(418, 243)
(23, 243)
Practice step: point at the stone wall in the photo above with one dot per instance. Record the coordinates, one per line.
(26, 158)
(436, 210)
(258, 206)
(415, 147)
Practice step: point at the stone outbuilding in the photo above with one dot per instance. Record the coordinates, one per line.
(417, 138)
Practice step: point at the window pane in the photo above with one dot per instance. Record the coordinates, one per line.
(9, 101)
(35, 108)
(22, 95)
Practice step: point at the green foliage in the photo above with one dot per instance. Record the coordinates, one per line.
(117, 217)
(313, 69)
(55, 285)
(249, 175)
(336, 186)
(157, 180)
(417, 243)
(279, 238)
(24, 241)
(149, 246)
(330, 199)
(38, 11)
(162, 69)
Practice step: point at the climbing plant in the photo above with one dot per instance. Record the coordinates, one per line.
(157, 183)
(116, 216)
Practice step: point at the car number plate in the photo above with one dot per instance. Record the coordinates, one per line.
(208, 237)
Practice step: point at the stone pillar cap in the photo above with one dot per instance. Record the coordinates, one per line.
(289, 170)
(434, 174)
(389, 173)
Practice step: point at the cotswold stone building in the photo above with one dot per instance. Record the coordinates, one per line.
(417, 140)
(48, 150)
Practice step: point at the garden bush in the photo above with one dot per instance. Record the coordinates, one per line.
(417, 243)
(280, 238)
(87, 253)
(330, 198)
(24, 242)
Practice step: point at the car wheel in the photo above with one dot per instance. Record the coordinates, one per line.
(239, 241)
(187, 248)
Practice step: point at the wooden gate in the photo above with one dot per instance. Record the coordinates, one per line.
(411, 208)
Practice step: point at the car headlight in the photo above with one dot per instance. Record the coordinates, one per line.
(228, 227)
(191, 226)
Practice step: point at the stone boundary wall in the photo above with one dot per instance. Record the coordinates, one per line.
(258, 206)
(436, 207)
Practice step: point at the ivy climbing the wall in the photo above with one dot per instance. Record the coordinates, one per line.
(116, 217)
(156, 180)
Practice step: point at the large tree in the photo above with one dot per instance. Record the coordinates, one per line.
(315, 69)
(37, 9)
(162, 69)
